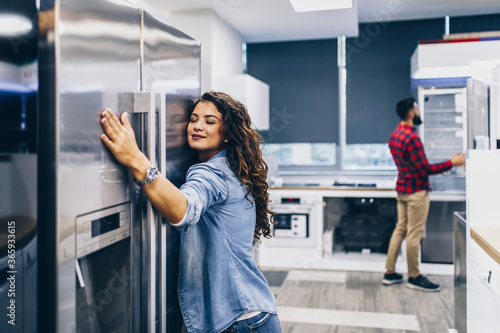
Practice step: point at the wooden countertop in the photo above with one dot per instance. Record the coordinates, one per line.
(359, 191)
(489, 240)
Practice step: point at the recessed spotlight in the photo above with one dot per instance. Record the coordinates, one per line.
(317, 5)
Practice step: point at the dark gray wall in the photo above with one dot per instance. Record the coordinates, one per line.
(303, 78)
(475, 23)
(378, 75)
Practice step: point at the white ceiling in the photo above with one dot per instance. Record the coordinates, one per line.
(275, 20)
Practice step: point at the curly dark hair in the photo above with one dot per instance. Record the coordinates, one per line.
(244, 156)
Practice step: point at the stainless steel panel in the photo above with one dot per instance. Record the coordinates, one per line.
(437, 243)
(97, 55)
(171, 59)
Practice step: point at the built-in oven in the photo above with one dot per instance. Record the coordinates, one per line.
(103, 271)
(294, 220)
(297, 237)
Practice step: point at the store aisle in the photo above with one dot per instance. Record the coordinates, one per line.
(357, 302)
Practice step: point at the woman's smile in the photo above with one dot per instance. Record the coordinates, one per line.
(205, 130)
(197, 136)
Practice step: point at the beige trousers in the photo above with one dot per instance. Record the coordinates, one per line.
(413, 210)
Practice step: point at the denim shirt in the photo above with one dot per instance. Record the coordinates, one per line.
(218, 279)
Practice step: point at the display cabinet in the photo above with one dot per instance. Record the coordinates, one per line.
(444, 115)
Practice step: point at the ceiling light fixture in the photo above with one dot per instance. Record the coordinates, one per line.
(14, 25)
(317, 5)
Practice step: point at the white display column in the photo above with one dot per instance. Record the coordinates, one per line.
(483, 214)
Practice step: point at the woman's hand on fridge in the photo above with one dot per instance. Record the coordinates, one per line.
(119, 137)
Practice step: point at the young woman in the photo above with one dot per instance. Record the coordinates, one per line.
(221, 208)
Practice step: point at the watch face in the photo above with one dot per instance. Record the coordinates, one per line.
(152, 173)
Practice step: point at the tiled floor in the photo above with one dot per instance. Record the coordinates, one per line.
(355, 302)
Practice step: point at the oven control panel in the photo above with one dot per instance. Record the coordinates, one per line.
(291, 225)
(102, 228)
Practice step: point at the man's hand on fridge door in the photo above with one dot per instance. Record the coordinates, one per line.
(458, 159)
(119, 137)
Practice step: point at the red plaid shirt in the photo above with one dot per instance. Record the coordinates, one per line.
(413, 167)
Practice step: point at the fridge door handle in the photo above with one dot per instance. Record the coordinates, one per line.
(162, 128)
(155, 231)
(162, 227)
(144, 102)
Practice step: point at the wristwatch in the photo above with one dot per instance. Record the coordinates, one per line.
(151, 175)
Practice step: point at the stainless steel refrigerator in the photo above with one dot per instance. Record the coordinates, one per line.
(95, 255)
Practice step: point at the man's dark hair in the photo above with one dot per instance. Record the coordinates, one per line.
(404, 106)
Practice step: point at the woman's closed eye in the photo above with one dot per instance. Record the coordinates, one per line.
(209, 122)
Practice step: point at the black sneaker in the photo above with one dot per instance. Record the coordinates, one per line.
(392, 279)
(421, 283)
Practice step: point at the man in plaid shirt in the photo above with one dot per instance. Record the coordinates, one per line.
(412, 195)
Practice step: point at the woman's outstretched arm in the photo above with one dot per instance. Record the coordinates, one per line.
(119, 137)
